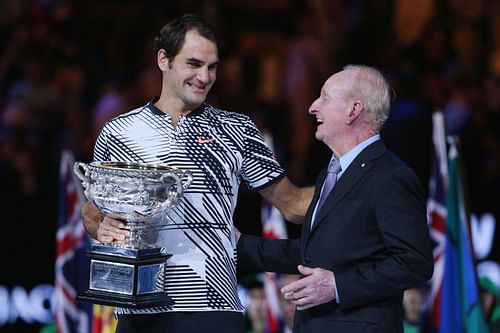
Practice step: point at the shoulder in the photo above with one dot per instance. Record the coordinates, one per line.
(128, 118)
(389, 163)
(396, 171)
(382, 156)
(386, 163)
(225, 116)
(394, 160)
(132, 113)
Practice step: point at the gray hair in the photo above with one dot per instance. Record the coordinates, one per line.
(374, 92)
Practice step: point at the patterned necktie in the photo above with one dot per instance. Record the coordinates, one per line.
(330, 180)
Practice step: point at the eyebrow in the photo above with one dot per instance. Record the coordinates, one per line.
(198, 61)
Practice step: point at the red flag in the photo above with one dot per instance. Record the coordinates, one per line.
(71, 262)
(103, 320)
(436, 213)
(273, 226)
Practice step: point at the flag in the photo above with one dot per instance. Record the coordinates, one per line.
(72, 272)
(436, 216)
(71, 262)
(454, 304)
(460, 305)
(103, 320)
(273, 227)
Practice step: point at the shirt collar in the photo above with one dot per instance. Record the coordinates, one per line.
(157, 111)
(347, 158)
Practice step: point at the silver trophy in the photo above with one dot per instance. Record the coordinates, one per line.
(130, 275)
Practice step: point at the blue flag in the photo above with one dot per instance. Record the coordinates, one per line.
(460, 304)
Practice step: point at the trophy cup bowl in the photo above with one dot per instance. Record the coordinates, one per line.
(130, 275)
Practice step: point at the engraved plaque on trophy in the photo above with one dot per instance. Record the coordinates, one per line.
(130, 275)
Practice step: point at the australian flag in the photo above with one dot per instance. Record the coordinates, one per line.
(436, 216)
(454, 300)
(71, 262)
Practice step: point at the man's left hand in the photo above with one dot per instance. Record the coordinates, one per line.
(316, 287)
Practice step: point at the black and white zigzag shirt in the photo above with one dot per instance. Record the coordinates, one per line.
(220, 148)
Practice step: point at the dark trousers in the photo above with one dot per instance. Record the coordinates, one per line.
(182, 322)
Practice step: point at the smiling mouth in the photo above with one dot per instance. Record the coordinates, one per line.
(197, 88)
(200, 86)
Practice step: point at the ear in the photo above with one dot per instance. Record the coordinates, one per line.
(162, 60)
(355, 111)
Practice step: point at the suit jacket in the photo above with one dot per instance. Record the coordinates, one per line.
(371, 232)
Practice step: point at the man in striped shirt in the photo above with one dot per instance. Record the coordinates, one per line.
(221, 149)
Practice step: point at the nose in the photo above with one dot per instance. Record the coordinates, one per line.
(203, 75)
(313, 109)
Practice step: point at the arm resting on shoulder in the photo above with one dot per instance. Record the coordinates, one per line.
(292, 201)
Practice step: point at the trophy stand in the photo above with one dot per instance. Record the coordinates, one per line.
(130, 275)
(131, 278)
(127, 276)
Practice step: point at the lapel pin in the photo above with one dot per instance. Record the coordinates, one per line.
(363, 165)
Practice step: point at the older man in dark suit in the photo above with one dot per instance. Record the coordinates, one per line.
(365, 239)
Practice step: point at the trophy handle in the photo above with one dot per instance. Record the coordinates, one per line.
(189, 179)
(77, 169)
(175, 180)
(171, 178)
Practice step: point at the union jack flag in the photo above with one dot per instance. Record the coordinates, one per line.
(71, 262)
(273, 228)
(436, 214)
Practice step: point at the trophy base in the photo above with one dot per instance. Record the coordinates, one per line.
(124, 301)
(131, 278)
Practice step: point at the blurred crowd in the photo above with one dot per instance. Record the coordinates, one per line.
(67, 66)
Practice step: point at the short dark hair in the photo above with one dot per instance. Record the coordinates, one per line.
(172, 36)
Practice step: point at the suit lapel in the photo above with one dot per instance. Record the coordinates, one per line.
(356, 170)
